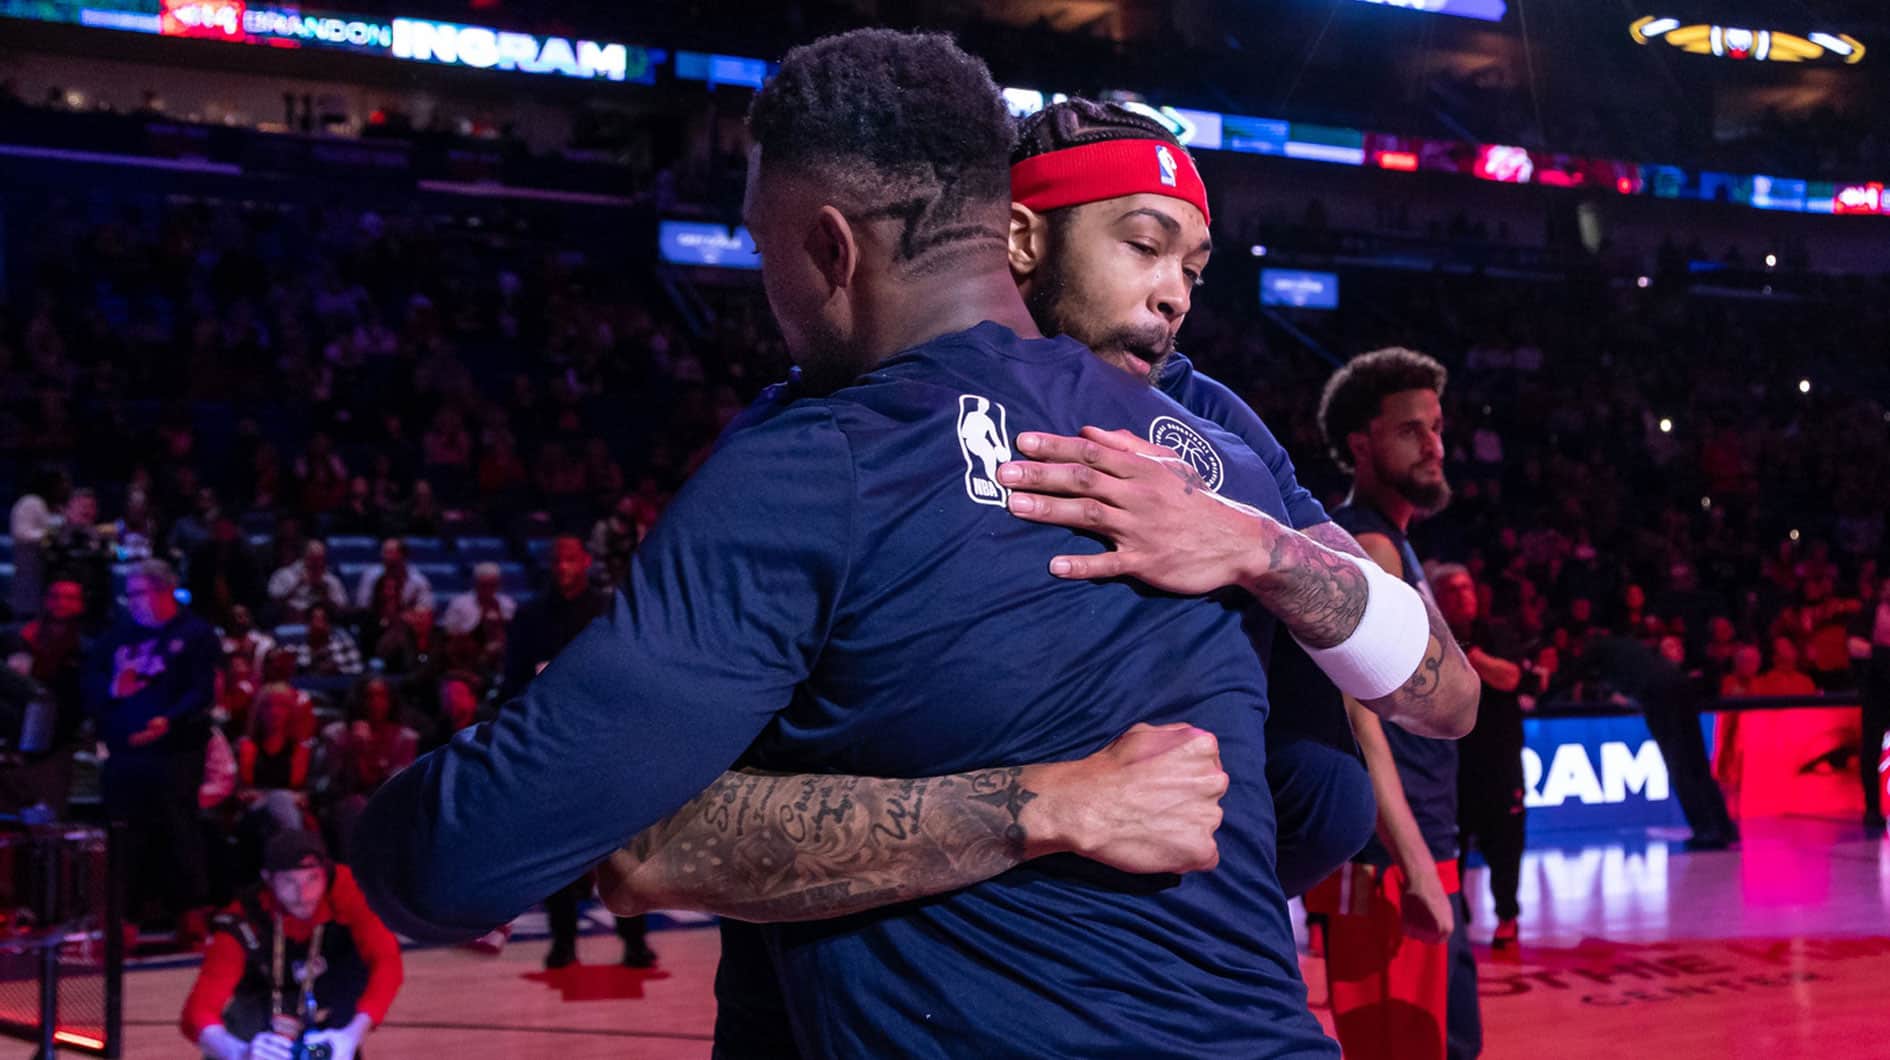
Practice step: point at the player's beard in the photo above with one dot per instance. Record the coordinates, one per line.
(1060, 309)
(1428, 498)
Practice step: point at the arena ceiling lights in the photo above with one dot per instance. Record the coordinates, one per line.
(1747, 45)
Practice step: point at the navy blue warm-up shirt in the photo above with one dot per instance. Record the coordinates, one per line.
(843, 580)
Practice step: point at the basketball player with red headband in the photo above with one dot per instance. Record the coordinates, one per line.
(1099, 246)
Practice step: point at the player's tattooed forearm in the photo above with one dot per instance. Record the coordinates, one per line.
(1320, 596)
(771, 848)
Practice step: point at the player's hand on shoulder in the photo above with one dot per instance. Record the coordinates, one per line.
(1168, 529)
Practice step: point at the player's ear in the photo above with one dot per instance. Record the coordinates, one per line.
(1359, 444)
(1029, 241)
(833, 246)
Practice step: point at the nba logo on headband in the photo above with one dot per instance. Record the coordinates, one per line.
(1167, 163)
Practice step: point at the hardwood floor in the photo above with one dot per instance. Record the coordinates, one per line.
(1777, 950)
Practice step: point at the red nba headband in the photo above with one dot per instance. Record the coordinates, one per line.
(1108, 170)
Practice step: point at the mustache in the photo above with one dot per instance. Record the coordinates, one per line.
(1151, 343)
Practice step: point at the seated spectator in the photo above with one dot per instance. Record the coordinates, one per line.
(415, 590)
(241, 637)
(300, 586)
(1784, 678)
(616, 536)
(77, 548)
(422, 514)
(321, 476)
(192, 530)
(461, 695)
(1744, 677)
(372, 744)
(136, 531)
(360, 515)
(356, 974)
(237, 686)
(222, 573)
(272, 766)
(31, 522)
(329, 651)
(483, 613)
(383, 612)
(1722, 644)
(362, 752)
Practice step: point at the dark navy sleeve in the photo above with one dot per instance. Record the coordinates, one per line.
(724, 612)
(1212, 400)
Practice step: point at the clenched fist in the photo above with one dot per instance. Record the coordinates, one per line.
(1150, 802)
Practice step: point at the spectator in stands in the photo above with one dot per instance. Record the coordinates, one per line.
(1722, 643)
(150, 684)
(300, 586)
(265, 478)
(360, 515)
(32, 522)
(272, 765)
(241, 637)
(136, 531)
(192, 530)
(77, 548)
(502, 474)
(422, 514)
(411, 644)
(461, 695)
(237, 686)
(384, 612)
(56, 647)
(1784, 678)
(446, 452)
(362, 752)
(328, 650)
(223, 572)
(616, 535)
(483, 614)
(1633, 617)
(415, 590)
(416, 651)
(258, 979)
(1743, 678)
(320, 476)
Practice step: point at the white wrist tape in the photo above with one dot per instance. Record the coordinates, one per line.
(1385, 649)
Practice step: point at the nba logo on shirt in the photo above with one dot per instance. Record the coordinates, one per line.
(1166, 161)
(985, 444)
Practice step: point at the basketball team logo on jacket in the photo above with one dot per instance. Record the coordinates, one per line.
(985, 443)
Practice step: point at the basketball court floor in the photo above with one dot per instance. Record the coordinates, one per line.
(1777, 950)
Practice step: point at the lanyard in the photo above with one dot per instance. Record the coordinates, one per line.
(310, 969)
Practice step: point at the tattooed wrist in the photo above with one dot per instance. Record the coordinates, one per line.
(1319, 594)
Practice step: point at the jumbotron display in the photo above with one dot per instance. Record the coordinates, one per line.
(487, 48)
